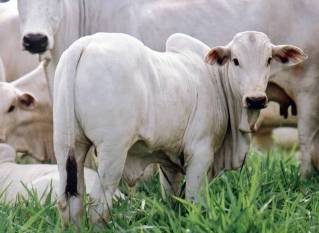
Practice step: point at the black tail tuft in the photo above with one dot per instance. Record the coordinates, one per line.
(72, 178)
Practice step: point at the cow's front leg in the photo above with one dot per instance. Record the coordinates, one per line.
(72, 187)
(200, 159)
(111, 162)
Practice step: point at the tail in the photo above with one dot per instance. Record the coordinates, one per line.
(64, 93)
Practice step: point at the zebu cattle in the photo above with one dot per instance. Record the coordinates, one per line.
(138, 107)
(26, 114)
(60, 22)
(13, 62)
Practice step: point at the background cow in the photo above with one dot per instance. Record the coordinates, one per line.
(18, 179)
(13, 62)
(26, 114)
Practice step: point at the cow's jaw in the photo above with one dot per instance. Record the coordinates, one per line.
(248, 120)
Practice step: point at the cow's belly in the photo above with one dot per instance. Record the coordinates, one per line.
(140, 155)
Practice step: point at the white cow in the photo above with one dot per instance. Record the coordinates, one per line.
(18, 179)
(60, 22)
(13, 62)
(138, 107)
(26, 114)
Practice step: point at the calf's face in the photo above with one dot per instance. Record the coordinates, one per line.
(40, 20)
(15, 109)
(247, 60)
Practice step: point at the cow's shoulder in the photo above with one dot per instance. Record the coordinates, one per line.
(179, 43)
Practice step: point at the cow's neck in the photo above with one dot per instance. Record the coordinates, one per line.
(109, 16)
(236, 143)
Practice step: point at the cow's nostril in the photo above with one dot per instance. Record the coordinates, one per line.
(35, 42)
(256, 102)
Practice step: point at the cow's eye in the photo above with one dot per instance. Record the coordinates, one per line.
(269, 61)
(11, 108)
(236, 62)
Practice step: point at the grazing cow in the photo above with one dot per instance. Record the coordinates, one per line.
(60, 22)
(26, 114)
(13, 62)
(138, 107)
(17, 179)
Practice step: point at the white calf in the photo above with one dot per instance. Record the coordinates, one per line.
(139, 106)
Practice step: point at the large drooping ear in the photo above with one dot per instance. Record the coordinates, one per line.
(27, 101)
(288, 54)
(219, 55)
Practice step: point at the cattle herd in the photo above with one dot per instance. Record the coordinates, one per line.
(182, 84)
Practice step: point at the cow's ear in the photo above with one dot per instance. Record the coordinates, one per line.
(219, 55)
(288, 54)
(27, 101)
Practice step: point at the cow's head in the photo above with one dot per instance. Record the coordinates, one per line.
(247, 60)
(15, 109)
(40, 20)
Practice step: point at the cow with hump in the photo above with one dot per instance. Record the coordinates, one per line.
(187, 109)
(60, 22)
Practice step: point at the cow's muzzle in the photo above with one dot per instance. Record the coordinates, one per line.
(35, 43)
(256, 102)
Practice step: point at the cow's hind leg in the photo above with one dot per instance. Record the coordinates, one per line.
(170, 181)
(72, 187)
(111, 162)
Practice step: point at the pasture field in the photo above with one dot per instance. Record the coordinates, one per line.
(267, 195)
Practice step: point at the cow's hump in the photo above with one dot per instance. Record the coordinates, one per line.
(180, 42)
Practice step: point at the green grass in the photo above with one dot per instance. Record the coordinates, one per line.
(266, 196)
